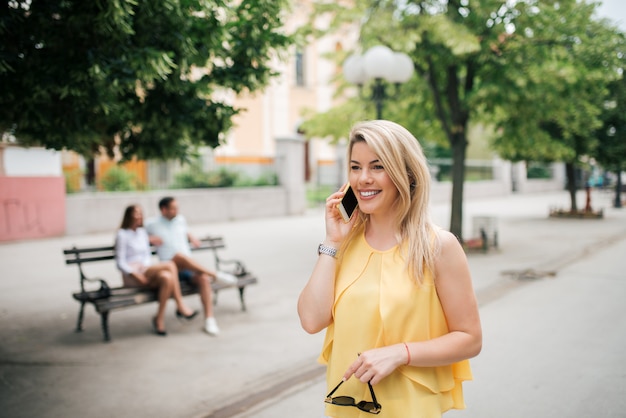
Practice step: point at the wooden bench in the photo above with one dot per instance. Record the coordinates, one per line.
(106, 298)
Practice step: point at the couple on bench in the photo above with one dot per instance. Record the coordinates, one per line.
(168, 233)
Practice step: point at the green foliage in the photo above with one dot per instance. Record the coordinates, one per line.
(611, 150)
(72, 180)
(538, 171)
(117, 179)
(333, 124)
(266, 179)
(518, 66)
(190, 179)
(194, 177)
(475, 172)
(316, 195)
(222, 178)
(565, 61)
(92, 75)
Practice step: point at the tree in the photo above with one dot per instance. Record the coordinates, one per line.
(471, 62)
(139, 76)
(611, 150)
(567, 84)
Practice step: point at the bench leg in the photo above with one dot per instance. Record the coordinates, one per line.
(79, 323)
(483, 236)
(243, 303)
(215, 298)
(105, 325)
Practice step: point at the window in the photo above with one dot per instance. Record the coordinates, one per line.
(300, 81)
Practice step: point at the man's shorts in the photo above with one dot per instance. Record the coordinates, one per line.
(186, 276)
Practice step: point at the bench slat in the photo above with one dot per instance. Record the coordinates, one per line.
(74, 255)
(131, 293)
(89, 259)
(75, 250)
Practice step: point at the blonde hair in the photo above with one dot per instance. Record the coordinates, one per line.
(403, 160)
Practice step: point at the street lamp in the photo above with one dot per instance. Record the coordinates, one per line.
(382, 65)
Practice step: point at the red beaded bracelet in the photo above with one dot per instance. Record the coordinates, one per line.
(408, 354)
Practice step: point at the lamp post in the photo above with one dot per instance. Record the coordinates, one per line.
(382, 65)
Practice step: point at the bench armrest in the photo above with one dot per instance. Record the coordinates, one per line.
(235, 267)
(102, 293)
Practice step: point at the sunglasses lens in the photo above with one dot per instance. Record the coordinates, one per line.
(343, 400)
(368, 407)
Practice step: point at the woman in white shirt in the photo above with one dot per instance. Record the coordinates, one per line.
(134, 260)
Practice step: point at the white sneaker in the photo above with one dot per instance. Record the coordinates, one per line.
(225, 278)
(210, 326)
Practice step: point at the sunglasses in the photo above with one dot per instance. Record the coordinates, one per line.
(372, 407)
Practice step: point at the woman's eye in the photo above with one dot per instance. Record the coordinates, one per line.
(378, 167)
(354, 167)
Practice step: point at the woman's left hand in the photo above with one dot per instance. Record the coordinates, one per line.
(376, 364)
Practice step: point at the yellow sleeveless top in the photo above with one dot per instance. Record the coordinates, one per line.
(378, 304)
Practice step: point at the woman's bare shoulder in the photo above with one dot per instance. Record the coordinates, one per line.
(446, 238)
(448, 244)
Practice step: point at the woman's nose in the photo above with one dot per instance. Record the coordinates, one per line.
(364, 176)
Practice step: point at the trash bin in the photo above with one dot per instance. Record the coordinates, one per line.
(487, 225)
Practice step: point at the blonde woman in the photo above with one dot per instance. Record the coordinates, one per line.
(392, 290)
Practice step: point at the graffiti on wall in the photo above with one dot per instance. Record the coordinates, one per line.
(31, 207)
(20, 217)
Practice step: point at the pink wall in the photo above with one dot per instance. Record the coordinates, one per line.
(31, 207)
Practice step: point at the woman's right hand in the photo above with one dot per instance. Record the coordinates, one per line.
(336, 229)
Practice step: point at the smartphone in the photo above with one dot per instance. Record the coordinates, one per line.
(348, 204)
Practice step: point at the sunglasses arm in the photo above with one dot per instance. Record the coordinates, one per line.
(334, 390)
(373, 395)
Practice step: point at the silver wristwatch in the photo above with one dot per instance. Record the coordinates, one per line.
(324, 249)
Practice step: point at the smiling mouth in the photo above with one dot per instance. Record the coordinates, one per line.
(369, 194)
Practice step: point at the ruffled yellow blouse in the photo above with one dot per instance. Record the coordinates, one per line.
(377, 304)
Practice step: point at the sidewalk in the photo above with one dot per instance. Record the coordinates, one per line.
(552, 347)
(262, 361)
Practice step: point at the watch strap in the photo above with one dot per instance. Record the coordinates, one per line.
(325, 249)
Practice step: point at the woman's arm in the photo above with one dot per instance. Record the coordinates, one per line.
(316, 300)
(146, 257)
(121, 245)
(458, 300)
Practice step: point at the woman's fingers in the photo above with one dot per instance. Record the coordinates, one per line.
(372, 366)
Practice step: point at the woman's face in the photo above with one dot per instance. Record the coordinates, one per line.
(372, 185)
(137, 218)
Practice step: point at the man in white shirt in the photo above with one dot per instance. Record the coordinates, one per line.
(170, 235)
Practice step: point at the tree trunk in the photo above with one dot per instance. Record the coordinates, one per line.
(570, 171)
(459, 148)
(618, 190)
(90, 175)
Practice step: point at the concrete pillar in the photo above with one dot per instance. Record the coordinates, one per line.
(290, 168)
(502, 173)
(518, 177)
(558, 174)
